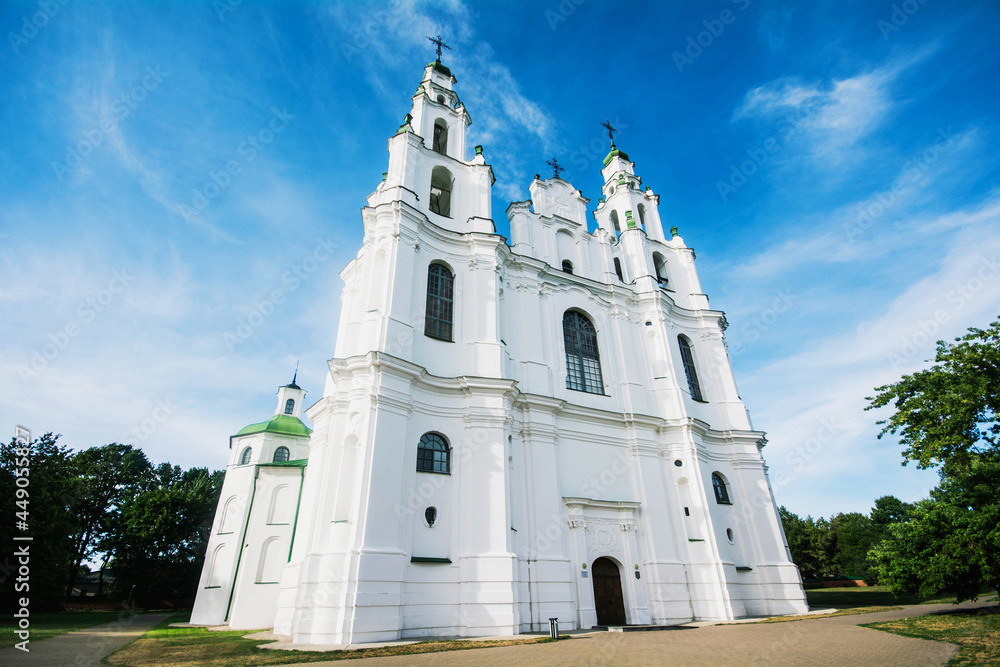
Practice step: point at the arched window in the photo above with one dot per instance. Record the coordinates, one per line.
(441, 136)
(440, 298)
(660, 265)
(440, 199)
(721, 490)
(245, 456)
(642, 215)
(433, 454)
(281, 455)
(616, 224)
(583, 362)
(618, 270)
(689, 370)
(567, 266)
(289, 406)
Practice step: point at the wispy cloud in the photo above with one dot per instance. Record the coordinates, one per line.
(834, 115)
(505, 118)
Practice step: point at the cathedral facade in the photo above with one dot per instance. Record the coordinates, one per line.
(509, 432)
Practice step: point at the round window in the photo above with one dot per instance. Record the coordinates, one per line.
(678, 463)
(440, 99)
(729, 534)
(430, 515)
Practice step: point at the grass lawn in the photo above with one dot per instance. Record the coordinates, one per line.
(977, 633)
(868, 596)
(164, 645)
(50, 624)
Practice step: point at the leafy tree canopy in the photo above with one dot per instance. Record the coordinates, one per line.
(948, 414)
(951, 543)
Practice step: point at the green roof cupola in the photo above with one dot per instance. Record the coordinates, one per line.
(286, 416)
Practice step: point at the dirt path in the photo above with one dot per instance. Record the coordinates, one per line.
(81, 648)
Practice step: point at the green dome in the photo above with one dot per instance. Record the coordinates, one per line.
(285, 424)
(614, 151)
(439, 67)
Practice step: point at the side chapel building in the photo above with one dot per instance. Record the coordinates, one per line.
(508, 433)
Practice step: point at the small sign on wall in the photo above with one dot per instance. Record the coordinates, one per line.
(584, 574)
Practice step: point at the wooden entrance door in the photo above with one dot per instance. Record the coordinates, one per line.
(608, 597)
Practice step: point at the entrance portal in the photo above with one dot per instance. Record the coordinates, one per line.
(608, 597)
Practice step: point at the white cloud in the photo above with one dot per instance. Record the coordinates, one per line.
(811, 399)
(833, 116)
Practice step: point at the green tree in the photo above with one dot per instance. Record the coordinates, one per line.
(947, 417)
(50, 522)
(107, 478)
(947, 414)
(852, 535)
(160, 545)
(808, 541)
(951, 543)
(887, 511)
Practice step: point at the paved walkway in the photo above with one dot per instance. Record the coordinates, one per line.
(834, 641)
(82, 648)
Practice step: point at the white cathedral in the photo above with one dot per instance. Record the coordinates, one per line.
(509, 433)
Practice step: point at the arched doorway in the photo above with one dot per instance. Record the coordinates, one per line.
(608, 597)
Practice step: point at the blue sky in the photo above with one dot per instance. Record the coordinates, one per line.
(169, 169)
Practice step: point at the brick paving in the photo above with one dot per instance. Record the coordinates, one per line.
(818, 642)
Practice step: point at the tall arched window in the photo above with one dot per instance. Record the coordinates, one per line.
(289, 406)
(583, 361)
(440, 199)
(660, 266)
(618, 270)
(687, 357)
(721, 489)
(433, 454)
(281, 455)
(245, 456)
(642, 215)
(440, 302)
(441, 137)
(614, 222)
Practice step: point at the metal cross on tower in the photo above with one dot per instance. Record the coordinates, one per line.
(440, 44)
(611, 131)
(556, 169)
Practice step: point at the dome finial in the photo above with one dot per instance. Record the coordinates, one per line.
(440, 44)
(611, 131)
(293, 385)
